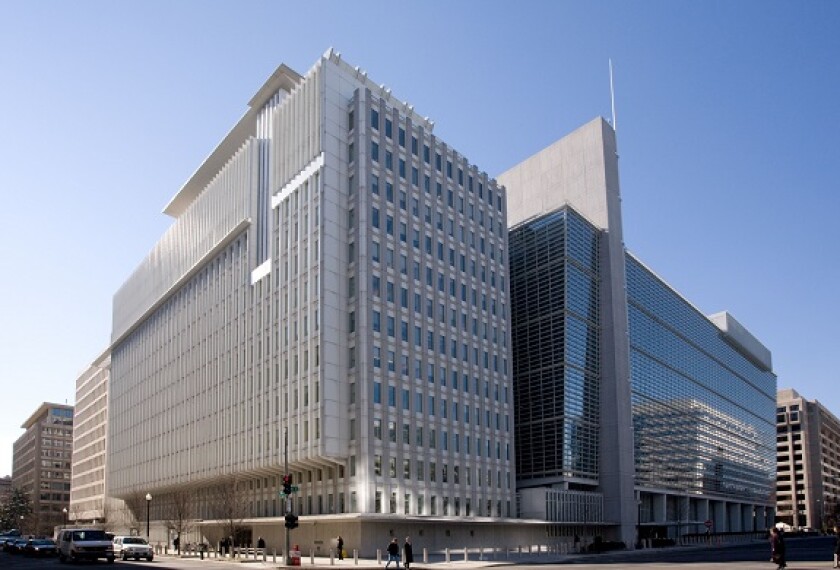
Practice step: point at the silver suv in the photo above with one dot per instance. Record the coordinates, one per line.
(84, 544)
(133, 547)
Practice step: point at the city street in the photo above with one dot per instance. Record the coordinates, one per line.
(803, 554)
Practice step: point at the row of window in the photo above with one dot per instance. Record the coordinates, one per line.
(400, 229)
(452, 348)
(467, 210)
(491, 450)
(390, 295)
(456, 477)
(452, 173)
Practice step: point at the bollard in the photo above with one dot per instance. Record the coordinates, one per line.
(332, 557)
(425, 555)
(311, 557)
(481, 553)
(466, 555)
(447, 556)
(378, 556)
(274, 556)
(356, 556)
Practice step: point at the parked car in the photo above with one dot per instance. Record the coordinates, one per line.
(133, 547)
(41, 547)
(84, 544)
(17, 545)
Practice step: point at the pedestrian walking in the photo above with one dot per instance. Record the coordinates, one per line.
(408, 554)
(340, 543)
(777, 548)
(393, 553)
(836, 546)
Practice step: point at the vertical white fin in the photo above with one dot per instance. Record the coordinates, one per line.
(612, 97)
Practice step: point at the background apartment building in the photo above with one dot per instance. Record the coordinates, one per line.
(808, 448)
(335, 280)
(41, 466)
(636, 415)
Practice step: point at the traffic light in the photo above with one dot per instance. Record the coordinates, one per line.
(291, 521)
(287, 484)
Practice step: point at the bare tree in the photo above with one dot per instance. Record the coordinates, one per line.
(230, 507)
(136, 504)
(178, 513)
(214, 534)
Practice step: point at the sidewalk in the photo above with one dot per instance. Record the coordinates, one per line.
(436, 561)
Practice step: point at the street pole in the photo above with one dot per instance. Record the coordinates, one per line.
(288, 498)
(148, 502)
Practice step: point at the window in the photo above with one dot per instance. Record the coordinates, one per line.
(374, 119)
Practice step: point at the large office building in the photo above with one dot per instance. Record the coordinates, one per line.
(90, 423)
(41, 466)
(332, 294)
(636, 415)
(808, 445)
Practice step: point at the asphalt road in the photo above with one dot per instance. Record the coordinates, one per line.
(799, 550)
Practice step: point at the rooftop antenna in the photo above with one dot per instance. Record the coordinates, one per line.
(612, 97)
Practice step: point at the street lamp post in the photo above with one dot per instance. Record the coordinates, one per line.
(148, 502)
(64, 510)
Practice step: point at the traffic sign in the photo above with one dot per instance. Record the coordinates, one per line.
(708, 523)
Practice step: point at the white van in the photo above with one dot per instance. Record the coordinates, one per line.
(133, 547)
(84, 544)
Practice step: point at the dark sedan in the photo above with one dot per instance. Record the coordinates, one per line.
(16, 546)
(40, 547)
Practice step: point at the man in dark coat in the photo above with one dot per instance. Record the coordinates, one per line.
(408, 554)
(836, 547)
(393, 553)
(777, 548)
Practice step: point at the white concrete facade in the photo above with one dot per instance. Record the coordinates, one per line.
(90, 429)
(330, 279)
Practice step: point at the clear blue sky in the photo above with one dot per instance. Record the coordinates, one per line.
(727, 130)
